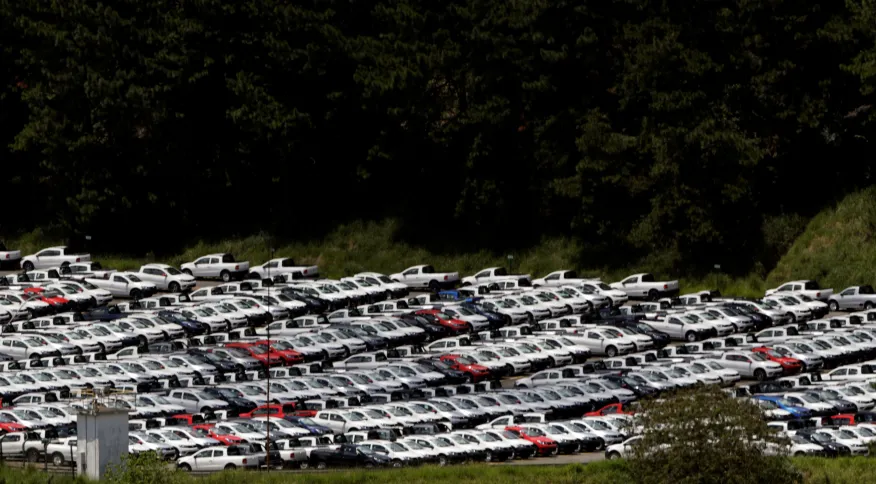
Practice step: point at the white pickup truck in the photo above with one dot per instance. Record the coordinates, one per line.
(641, 286)
(493, 274)
(211, 266)
(425, 276)
(9, 257)
(284, 265)
(562, 278)
(124, 284)
(81, 270)
(52, 257)
(806, 287)
(855, 297)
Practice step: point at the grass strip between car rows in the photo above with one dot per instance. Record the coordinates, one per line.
(847, 470)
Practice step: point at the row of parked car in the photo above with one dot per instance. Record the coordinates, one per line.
(365, 372)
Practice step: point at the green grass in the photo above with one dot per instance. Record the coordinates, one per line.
(375, 246)
(849, 470)
(836, 248)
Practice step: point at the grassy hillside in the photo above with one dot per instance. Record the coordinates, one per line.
(837, 248)
(374, 246)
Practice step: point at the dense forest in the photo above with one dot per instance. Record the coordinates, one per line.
(697, 129)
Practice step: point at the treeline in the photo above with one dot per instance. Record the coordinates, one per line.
(703, 131)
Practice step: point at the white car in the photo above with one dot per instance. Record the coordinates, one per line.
(616, 297)
(284, 265)
(751, 365)
(807, 287)
(52, 257)
(561, 278)
(166, 278)
(424, 276)
(222, 266)
(218, 458)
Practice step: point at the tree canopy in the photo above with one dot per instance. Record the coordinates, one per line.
(696, 129)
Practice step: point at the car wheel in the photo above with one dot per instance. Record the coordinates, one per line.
(396, 463)
(653, 295)
(325, 355)
(102, 347)
(792, 317)
(321, 465)
(530, 318)
(33, 455)
(735, 328)
(370, 466)
(552, 362)
(136, 295)
(614, 455)
(555, 451)
(610, 301)
(488, 457)
(601, 444)
(57, 459)
(509, 370)
(173, 287)
(690, 336)
(230, 467)
(867, 305)
(206, 410)
(143, 341)
(442, 460)
(240, 369)
(434, 286)
(799, 454)
(469, 378)
(760, 375)
(611, 351)
(304, 465)
(225, 275)
(27, 266)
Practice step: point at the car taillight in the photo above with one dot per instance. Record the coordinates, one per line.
(292, 455)
(244, 460)
(305, 271)
(236, 267)
(77, 259)
(665, 286)
(445, 278)
(817, 294)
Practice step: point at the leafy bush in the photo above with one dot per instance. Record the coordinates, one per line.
(144, 468)
(706, 436)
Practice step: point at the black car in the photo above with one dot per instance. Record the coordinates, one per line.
(314, 304)
(347, 455)
(761, 321)
(434, 331)
(451, 376)
(495, 319)
(372, 341)
(831, 448)
(640, 389)
(660, 339)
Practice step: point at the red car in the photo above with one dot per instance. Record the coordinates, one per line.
(207, 430)
(273, 409)
(611, 409)
(259, 352)
(50, 296)
(289, 356)
(789, 365)
(545, 444)
(444, 319)
(474, 371)
(6, 427)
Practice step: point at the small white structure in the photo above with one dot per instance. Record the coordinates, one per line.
(102, 440)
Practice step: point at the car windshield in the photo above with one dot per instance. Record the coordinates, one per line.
(534, 432)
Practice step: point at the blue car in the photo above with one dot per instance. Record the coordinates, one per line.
(309, 425)
(783, 404)
(496, 320)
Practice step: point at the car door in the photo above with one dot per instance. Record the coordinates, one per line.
(47, 258)
(849, 299)
(412, 277)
